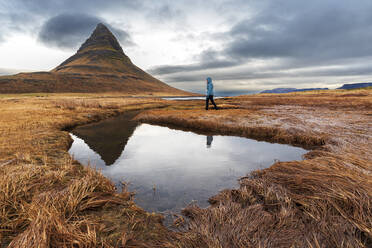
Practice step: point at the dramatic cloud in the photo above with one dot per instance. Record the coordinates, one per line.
(47, 7)
(15, 22)
(71, 30)
(300, 35)
(28, 16)
(312, 32)
(244, 45)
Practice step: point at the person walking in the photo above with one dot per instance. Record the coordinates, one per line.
(209, 94)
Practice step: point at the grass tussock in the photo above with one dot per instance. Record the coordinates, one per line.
(76, 104)
(289, 204)
(65, 206)
(73, 104)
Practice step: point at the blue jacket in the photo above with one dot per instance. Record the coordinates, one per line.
(209, 87)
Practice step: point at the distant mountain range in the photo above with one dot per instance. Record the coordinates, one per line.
(343, 87)
(287, 90)
(355, 86)
(100, 65)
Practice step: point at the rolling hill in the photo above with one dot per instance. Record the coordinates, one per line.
(355, 86)
(288, 90)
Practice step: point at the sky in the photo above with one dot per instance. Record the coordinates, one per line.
(245, 45)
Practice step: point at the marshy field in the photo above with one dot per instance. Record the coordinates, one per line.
(47, 199)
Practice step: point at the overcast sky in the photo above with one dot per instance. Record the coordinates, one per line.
(244, 45)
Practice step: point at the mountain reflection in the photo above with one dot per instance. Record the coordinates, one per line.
(109, 137)
(167, 168)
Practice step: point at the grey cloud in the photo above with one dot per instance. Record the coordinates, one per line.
(169, 69)
(67, 30)
(248, 74)
(15, 23)
(27, 16)
(71, 30)
(299, 34)
(48, 8)
(315, 31)
(165, 13)
(200, 75)
(53, 7)
(294, 34)
(209, 59)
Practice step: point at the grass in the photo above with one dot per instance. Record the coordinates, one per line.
(322, 201)
(49, 200)
(226, 122)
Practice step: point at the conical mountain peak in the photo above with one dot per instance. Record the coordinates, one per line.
(100, 65)
(101, 39)
(100, 53)
(101, 27)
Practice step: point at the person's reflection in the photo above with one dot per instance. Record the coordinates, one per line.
(209, 141)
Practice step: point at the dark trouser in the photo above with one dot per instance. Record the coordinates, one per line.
(209, 97)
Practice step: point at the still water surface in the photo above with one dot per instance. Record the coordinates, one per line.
(167, 168)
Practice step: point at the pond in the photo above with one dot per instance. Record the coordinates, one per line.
(169, 169)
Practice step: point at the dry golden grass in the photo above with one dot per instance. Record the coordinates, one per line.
(48, 200)
(322, 201)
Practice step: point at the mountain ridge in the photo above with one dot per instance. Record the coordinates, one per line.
(343, 87)
(288, 90)
(355, 86)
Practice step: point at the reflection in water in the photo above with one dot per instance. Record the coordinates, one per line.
(169, 168)
(209, 141)
(108, 137)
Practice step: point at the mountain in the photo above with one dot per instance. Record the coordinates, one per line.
(355, 86)
(100, 65)
(288, 90)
